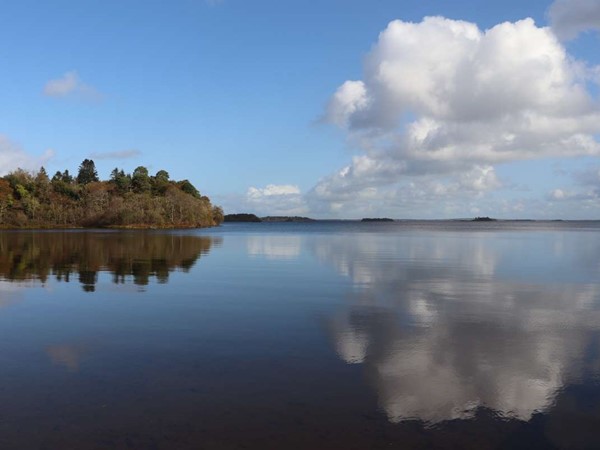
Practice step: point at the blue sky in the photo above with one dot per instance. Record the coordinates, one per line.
(280, 107)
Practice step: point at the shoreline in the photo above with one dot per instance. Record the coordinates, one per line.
(109, 227)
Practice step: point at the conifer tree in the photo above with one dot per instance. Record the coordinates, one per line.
(87, 172)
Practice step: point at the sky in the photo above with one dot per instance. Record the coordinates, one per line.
(410, 109)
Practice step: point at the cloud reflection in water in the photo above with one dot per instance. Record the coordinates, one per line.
(274, 247)
(445, 324)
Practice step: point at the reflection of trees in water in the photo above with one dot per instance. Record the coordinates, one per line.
(126, 255)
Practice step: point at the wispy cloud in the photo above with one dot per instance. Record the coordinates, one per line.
(70, 85)
(273, 190)
(586, 188)
(14, 157)
(121, 154)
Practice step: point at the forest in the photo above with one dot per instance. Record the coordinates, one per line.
(136, 200)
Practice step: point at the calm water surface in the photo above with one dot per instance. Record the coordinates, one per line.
(302, 336)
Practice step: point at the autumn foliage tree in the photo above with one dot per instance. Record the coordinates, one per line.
(125, 200)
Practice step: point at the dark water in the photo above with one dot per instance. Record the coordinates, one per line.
(302, 336)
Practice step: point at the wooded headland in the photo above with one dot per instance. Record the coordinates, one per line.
(136, 200)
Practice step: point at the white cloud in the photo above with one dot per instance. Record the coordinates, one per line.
(558, 194)
(443, 102)
(571, 17)
(480, 179)
(348, 99)
(272, 190)
(14, 157)
(370, 187)
(70, 85)
(271, 200)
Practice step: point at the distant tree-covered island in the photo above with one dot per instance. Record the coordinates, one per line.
(248, 217)
(287, 219)
(377, 219)
(242, 217)
(136, 200)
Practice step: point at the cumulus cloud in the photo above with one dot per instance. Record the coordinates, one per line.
(274, 199)
(70, 85)
(121, 154)
(347, 100)
(369, 186)
(571, 17)
(14, 157)
(442, 103)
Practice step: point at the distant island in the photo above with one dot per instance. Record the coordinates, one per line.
(136, 200)
(287, 219)
(377, 219)
(484, 219)
(243, 217)
(246, 217)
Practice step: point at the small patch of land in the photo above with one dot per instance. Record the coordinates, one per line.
(242, 217)
(287, 219)
(377, 219)
(483, 219)
(247, 217)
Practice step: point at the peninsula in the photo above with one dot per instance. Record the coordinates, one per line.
(136, 200)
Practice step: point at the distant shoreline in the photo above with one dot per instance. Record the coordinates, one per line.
(388, 220)
(247, 217)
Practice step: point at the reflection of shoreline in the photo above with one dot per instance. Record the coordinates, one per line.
(440, 336)
(128, 256)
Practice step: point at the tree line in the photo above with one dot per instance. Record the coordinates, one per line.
(132, 200)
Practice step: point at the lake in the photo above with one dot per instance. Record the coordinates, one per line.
(317, 335)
